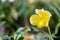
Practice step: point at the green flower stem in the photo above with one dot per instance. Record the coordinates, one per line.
(50, 37)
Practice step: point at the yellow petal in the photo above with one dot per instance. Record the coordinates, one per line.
(43, 13)
(41, 18)
(46, 23)
(35, 19)
(40, 24)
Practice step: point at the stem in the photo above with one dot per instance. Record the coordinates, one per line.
(50, 38)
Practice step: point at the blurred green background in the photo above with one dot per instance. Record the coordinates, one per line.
(16, 13)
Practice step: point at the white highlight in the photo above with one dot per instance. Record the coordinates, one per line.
(36, 10)
(42, 9)
(11, 0)
(50, 15)
(3, 0)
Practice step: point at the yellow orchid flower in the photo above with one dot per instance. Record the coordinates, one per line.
(41, 18)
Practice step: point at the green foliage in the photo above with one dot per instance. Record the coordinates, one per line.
(14, 13)
(2, 23)
(18, 34)
(11, 14)
(6, 37)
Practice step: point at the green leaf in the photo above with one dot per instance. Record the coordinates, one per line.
(2, 15)
(35, 29)
(17, 36)
(18, 33)
(14, 13)
(6, 37)
(23, 8)
(54, 9)
(19, 30)
(2, 23)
